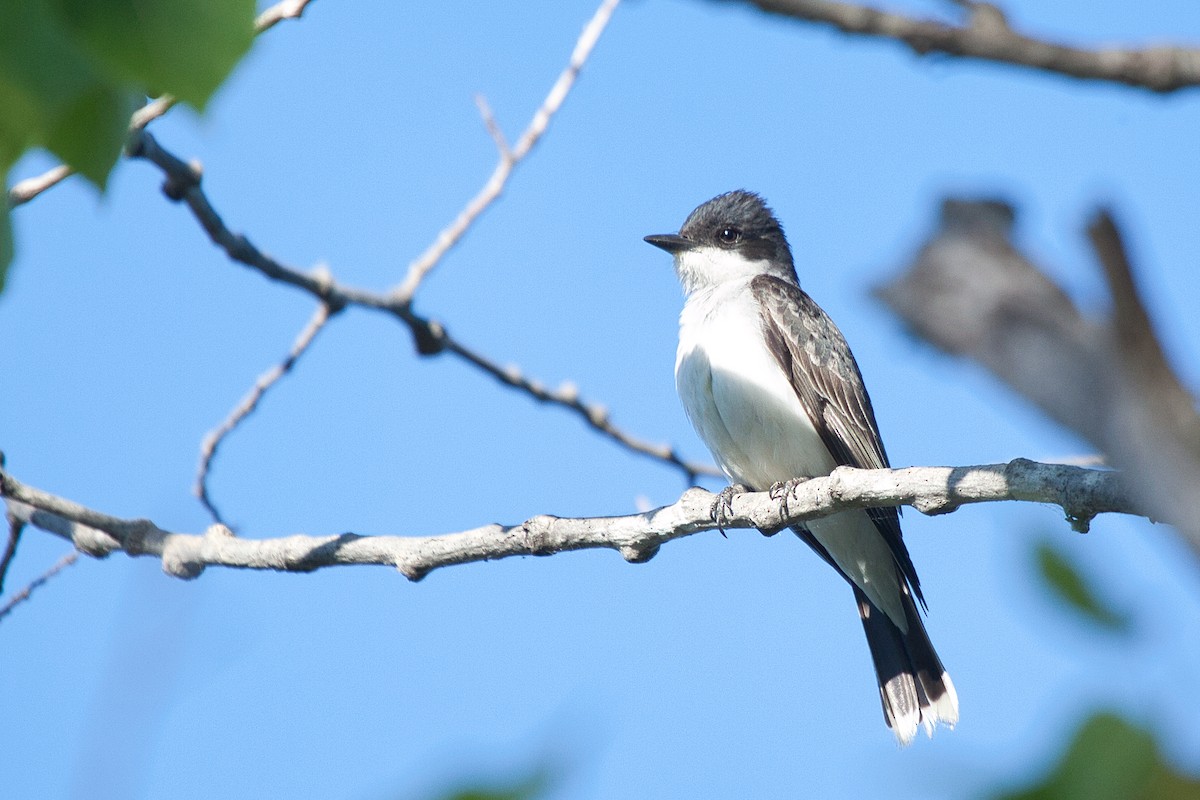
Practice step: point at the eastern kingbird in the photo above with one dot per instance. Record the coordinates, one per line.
(770, 385)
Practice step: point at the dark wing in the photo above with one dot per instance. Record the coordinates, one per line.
(813, 354)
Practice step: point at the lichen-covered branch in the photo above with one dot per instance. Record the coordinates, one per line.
(1081, 493)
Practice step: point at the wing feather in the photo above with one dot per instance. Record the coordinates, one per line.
(814, 355)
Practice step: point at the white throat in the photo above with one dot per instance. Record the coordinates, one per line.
(708, 267)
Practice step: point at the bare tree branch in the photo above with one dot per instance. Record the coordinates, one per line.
(1082, 494)
(970, 292)
(24, 191)
(987, 36)
(509, 157)
(430, 337)
(208, 449)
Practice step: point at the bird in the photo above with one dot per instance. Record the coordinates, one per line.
(772, 388)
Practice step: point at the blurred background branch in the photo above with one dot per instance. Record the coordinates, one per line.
(971, 293)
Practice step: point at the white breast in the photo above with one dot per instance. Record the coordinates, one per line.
(740, 401)
(744, 408)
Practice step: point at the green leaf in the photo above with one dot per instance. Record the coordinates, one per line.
(1073, 587)
(52, 96)
(530, 787)
(1111, 759)
(88, 133)
(183, 47)
(73, 71)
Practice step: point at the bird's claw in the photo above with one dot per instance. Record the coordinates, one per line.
(783, 491)
(722, 509)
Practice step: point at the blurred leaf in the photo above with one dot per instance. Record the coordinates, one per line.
(1111, 759)
(89, 132)
(51, 95)
(527, 788)
(494, 793)
(178, 46)
(73, 71)
(1070, 584)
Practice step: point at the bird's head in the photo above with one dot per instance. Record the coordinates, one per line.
(734, 236)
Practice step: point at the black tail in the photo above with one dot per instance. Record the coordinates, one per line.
(913, 684)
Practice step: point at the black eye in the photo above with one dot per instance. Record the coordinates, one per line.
(729, 236)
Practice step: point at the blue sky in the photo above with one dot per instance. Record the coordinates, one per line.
(723, 666)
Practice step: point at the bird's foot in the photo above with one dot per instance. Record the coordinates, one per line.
(722, 509)
(784, 491)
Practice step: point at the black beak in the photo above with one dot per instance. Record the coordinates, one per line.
(671, 242)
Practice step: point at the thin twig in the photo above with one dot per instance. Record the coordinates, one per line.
(37, 583)
(567, 396)
(287, 9)
(987, 36)
(152, 111)
(208, 449)
(493, 127)
(509, 158)
(24, 191)
(1081, 493)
